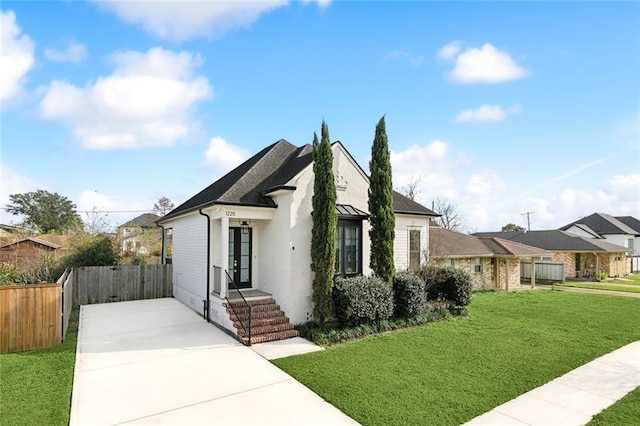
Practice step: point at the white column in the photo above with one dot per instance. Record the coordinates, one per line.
(507, 265)
(224, 250)
(533, 272)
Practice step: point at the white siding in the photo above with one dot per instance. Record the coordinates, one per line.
(405, 223)
(190, 260)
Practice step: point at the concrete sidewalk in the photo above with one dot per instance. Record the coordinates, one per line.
(156, 362)
(572, 399)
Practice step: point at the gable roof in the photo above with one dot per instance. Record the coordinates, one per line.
(35, 240)
(448, 243)
(603, 224)
(631, 222)
(250, 183)
(146, 220)
(555, 240)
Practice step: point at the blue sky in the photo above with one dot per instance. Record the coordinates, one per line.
(500, 108)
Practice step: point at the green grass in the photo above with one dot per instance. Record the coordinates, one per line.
(36, 386)
(602, 287)
(629, 279)
(452, 371)
(623, 412)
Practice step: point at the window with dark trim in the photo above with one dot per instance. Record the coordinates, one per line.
(577, 262)
(349, 247)
(414, 250)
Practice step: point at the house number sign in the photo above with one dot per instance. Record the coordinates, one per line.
(230, 214)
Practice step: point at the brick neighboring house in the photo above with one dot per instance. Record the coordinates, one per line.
(494, 263)
(620, 230)
(140, 235)
(582, 256)
(26, 253)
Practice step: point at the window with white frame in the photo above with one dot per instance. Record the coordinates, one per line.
(477, 265)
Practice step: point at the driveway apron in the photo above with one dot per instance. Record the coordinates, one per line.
(156, 362)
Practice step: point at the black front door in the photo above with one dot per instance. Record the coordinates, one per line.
(240, 256)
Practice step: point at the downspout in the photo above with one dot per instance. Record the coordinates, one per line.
(207, 301)
(162, 258)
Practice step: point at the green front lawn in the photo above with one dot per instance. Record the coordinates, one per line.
(35, 388)
(602, 286)
(623, 412)
(452, 371)
(629, 279)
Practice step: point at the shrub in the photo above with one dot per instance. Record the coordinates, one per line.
(409, 294)
(435, 311)
(98, 251)
(360, 300)
(447, 283)
(603, 276)
(10, 275)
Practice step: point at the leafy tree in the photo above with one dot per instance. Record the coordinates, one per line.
(451, 217)
(163, 206)
(325, 221)
(382, 232)
(44, 211)
(511, 227)
(98, 251)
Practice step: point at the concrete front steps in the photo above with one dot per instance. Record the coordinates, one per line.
(268, 322)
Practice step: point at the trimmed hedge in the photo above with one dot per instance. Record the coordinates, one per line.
(409, 295)
(434, 311)
(359, 300)
(447, 283)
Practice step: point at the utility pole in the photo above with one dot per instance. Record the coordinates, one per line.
(528, 219)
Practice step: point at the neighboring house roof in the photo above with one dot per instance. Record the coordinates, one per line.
(586, 229)
(35, 240)
(147, 220)
(555, 240)
(631, 222)
(251, 182)
(60, 240)
(448, 243)
(603, 224)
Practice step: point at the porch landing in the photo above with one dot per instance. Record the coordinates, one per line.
(249, 294)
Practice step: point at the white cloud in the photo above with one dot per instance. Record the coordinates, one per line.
(181, 20)
(147, 101)
(222, 156)
(449, 51)
(486, 64)
(414, 60)
(74, 52)
(485, 183)
(110, 210)
(16, 55)
(487, 114)
(13, 183)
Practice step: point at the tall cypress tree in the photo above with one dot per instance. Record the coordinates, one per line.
(382, 231)
(325, 221)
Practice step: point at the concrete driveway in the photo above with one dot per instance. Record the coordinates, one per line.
(156, 362)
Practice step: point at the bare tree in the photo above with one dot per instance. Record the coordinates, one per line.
(96, 222)
(412, 188)
(163, 206)
(451, 218)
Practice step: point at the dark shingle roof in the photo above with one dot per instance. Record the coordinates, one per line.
(270, 169)
(555, 240)
(147, 220)
(631, 222)
(402, 204)
(603, 224)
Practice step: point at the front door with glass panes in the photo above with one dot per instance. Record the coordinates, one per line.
(240, 256)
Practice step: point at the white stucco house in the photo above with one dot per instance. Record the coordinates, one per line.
(255, 224)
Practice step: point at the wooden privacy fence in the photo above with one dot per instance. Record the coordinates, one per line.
(103, 284)
(35, 316)
(545, 270)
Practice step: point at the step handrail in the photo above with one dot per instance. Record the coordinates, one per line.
(248, 332)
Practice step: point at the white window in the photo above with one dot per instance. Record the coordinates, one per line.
(477, 265)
